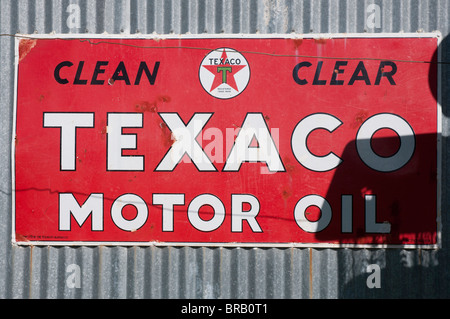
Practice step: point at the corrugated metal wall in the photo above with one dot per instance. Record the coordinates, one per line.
(170, 272)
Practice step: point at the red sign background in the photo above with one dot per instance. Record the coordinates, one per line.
(406, 199)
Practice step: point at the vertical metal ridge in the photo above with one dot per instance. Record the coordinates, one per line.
(311, 272)
(9, 16)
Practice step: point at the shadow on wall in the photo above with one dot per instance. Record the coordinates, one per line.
(368, 219)
(380, 214)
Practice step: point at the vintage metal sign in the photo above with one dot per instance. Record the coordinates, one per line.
(231, 140)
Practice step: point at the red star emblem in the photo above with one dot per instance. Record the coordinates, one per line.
(224, 72)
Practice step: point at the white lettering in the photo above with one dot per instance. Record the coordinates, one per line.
(400, 127)
(168, 201)
(371, 214)
(141, 215)
(300, 213)
(254, 128)
(68, 122)
(118, 142)
(217, 217)
(68, 206)
(239, 215)
(185, 142)
(300, 145)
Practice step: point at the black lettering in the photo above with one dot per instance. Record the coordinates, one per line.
(317, 75)
(58, 68)
(382, 72)
(120, 74)
(97, 71)
(77, 79)
(337, 70)
(295, 72)
(363, 77)
(150, 76)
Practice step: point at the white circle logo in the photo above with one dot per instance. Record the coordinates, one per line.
(224, 73)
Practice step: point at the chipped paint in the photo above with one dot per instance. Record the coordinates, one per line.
(25, 46)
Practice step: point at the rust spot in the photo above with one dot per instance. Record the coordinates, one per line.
(286, 194)
(41, 98)
(146, 106)
(164, 98)
(321, 41)
(313, 213)
(297, 42)
(103, 130)
(25, 46)
(20, 237)
(267, 117)
(111, 81)
(360, 117)
(166, 136)
(290, 168)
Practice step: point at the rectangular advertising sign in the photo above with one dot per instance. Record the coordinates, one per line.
(227, 140)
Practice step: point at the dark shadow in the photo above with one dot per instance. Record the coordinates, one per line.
(358, 190)
(404, 273)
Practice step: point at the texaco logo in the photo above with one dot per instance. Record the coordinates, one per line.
(224, 73)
